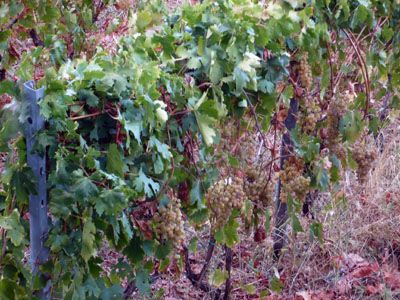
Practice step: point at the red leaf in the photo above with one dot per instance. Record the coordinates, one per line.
(260, 234)
(392, 279)
(365, 271)
(373, 290)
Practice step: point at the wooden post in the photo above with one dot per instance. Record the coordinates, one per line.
(38, 220)
(281, 215)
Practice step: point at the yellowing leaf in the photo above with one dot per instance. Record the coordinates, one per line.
(218, 277)
(249, 62)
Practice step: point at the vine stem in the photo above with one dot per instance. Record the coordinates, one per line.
(228, 267)
(330, 67)
(281, 214)
(210, 251)
(253, 112)
(364, 69)
(192, 276)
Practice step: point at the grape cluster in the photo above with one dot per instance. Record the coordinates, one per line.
(169, 222)
(305, 72)
(292, 180)
(309, 116)
(364, 158)
(222, 198)
(255, 187)
(248, 148)
(336, 110)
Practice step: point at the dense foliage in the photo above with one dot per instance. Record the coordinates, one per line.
(136, 137)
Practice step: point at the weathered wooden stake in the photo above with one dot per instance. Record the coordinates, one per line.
(38, 220)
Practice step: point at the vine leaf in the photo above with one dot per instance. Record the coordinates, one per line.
(115, 163)
(316, 231)
(206, 126)
(142, 281)
(83, 187)
(296, 225)
(162, 148)
(88, 237)
(134, 250)
(15, 230)
(92, 287)
(135, 127)
(228, 234)
(351, 126)
(111, 202)
(146, 184)
(216, 70)
(218, 277)
(143, 19)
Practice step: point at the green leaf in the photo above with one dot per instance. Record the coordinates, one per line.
(316, 231)
(322, 178)
(83, 187)
(144, 19)
(134, 250)
(162, 148)
(91, 287)
(216, 71)
(228, 234)
(9, 289)
(241, 79)
(127, 226)
(89, 97)
(351, 126)
(135, 127)
(88, 238)
(266, 86)
(196, 195)
(163, 250)
(218, 278)
(15, 231)
(296, 225)
(110, 202)
(114, 292)
(362, 16)
(206, 125)
(115, 162)
(387, 33)
(276, 285)
(146, 184)
(142, 281)
(250, 289)
(24, 183)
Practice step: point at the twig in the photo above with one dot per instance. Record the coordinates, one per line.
(87, 116)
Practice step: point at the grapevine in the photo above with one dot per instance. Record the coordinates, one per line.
(140, 100)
